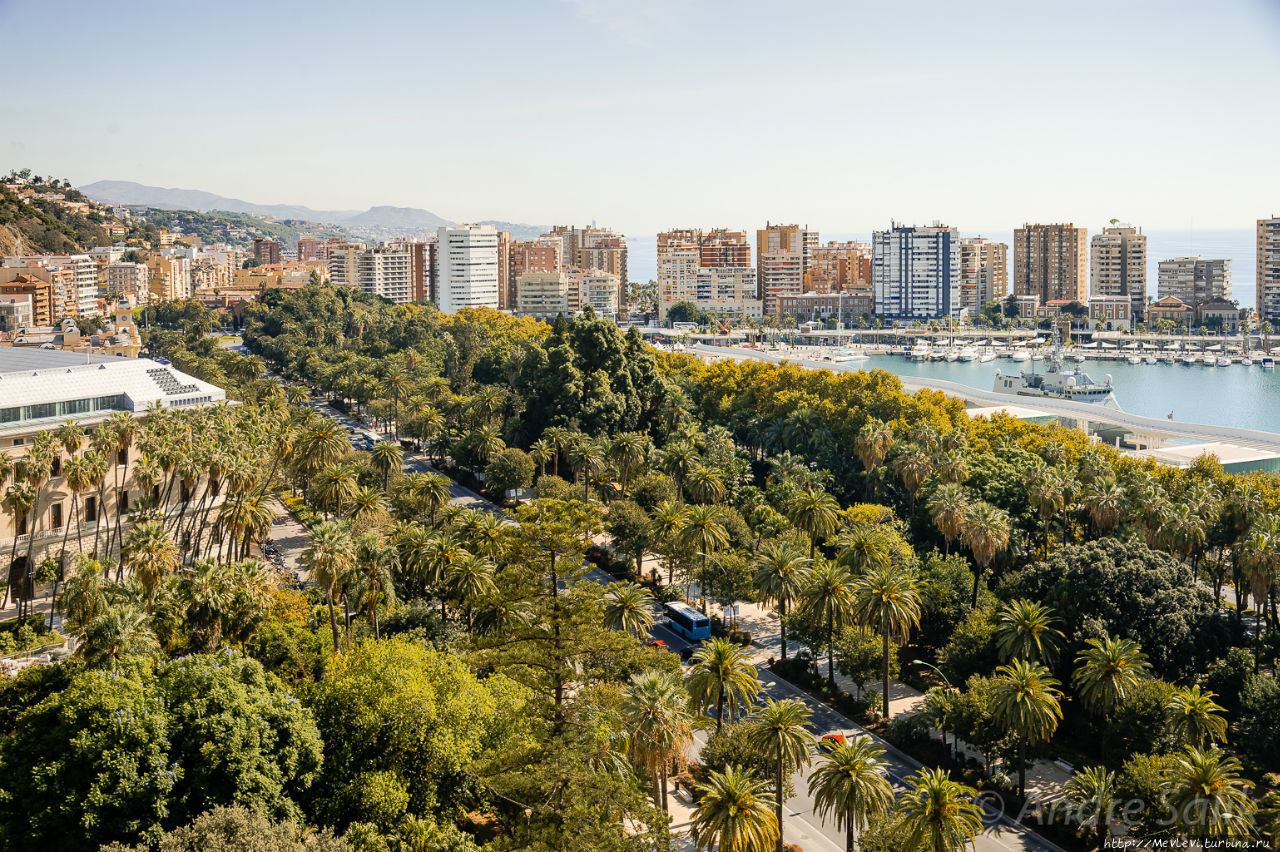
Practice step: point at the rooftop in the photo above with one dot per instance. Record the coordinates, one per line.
(1182, 455)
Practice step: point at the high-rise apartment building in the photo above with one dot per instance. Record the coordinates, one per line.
(78, 279)
(419, 252)
(467, 263)
(1118, 265)
(129, 279)
(596, 289)
(1050, 262)
(543, 255)
(914, 271)
(839, 268)
(169, 276)
(266, 251)
(1194, 280)
(782, 257)
(730, 290)
(387, 272)
(310, 248)
(595, 248)
(1268, 293)
(984, 272)
(542, 295)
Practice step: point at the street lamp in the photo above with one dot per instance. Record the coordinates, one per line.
(936, 669)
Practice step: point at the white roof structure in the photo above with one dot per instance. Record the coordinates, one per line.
(1183, 455)
(1017, 412)
(42, 385)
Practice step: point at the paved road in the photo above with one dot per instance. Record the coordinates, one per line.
(801, 824)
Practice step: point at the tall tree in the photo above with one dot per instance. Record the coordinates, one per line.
(721, 675)
(887, 601)
(829, 600)
(659, 726)
(782, 572)
(734, 814)
(851, 781)
(1025, 700)
(938, 814)
(780, 729)
(1025, 631)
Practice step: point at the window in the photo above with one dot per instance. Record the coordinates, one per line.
(122, 501)
(22, 524)
(91, 509)
(57, 466)
(55, 516)
(122, 457)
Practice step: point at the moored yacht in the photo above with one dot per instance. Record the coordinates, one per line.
(1057, 383)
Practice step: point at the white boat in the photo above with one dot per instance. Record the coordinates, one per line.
(1057, 383)
(986, 356)
(952, 355)
(1134, 360)
(1150, 359)
(1037, 356)
(1189, 360)
(1078, 358)
(968, 353)
(1247, 361)
(1224, 361)
(846, 355)
(921, 352)
(1268, 361)
(1020, 355)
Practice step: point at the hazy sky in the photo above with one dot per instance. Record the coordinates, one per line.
(643, 114)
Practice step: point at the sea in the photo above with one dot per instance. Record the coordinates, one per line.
(1224, 396)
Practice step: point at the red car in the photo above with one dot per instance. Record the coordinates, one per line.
(656, 643)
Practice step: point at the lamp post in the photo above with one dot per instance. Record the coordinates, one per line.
(936, 669)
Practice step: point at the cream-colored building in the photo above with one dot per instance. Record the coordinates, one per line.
(542, 295)
(170, 276)
(129, 279)
(597, 290)
(725, 290)
(1051, 262)
(1195, 280)
(1118, 264)
(984, 272)
(45, 389)
(782, 258)
(1268, 288)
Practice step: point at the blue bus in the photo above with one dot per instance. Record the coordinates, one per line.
(688, 622)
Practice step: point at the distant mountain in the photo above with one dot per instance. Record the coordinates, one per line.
(128, 192)
(407, 218)
(380, 221)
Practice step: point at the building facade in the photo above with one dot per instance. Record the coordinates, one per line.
(1051, 262)
(984, 273)
(129, 279)
(467, 262)
(723, 290)
(542, 295)
(45, 389)
(915, 271)
(1195, 280)
(1268, 295)
(782, 257)
(1118, 264)
(266, 251)
(74, 275)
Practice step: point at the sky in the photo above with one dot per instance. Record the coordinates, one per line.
(648, 114)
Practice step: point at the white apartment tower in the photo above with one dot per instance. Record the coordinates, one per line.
(467, 260)
(385, 272)
(915, 272)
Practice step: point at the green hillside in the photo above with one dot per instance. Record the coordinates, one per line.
(45, 227)
(219, 226)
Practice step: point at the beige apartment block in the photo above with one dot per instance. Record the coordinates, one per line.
(1051, 262)
(1195, 280)
(984, 272)
(542, 295)
(782, 257)
(1118, 264)
(1268, 298)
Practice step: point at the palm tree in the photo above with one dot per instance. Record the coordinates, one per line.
(780, 729)
(938, 814)
(659, 726)
(871, 446)
(851, 781)
(1024, 700)
(208, 589)
(947, 507)
(329, 558)
(85, 595)
(1196, 716)
(677, 460)
(816, 513)
(1046, 493)
(1106, 500)
(706, 485)
(628, 453)
(368, 505)
(469, 579)
(542, 451)
(488, 443)
(865, 546)
(432, 490)
(782, 571)
(151, 555)
(1106, 670)
(334, 487)
(913, 466)
(1092, 792)
(734, 814)
(986, 533)
(376, 562)
(1207, 795)
(628, 607)
(119, 632)
(1025, 631)
(586, 458)
(665, 526)
(887, 600)
(386, 457)
(721, 674)
(829, 599)
(703, 531)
